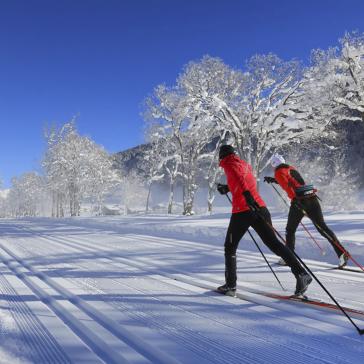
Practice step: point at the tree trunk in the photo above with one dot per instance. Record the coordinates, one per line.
(210, 198)
(147, 204)
(171, 195)
(188, 202)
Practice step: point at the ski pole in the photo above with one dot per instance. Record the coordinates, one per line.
(360, 331)
(305, 228)
(261, 252)
(255, 242)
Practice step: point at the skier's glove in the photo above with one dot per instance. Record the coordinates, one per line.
(223, 189)
(253, 205)
(270, 179)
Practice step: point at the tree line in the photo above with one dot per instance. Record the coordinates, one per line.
(267, 105)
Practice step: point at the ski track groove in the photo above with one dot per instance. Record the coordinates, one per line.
(106, 355)
(88, 338)
(174, 244)
(328, 275)
(78, 246)
(218, 354)
(256, 256)
(36, 335)
(170, 270)
(215, 344)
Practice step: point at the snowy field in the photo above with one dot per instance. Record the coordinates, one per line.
(139, 290)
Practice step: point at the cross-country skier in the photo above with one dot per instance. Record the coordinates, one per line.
(249, 209)
(303, 201)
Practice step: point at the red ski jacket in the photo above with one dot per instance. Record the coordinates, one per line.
(240, 178)
(289, 179)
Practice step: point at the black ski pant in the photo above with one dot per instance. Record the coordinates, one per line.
(238, 226)
(312, 208)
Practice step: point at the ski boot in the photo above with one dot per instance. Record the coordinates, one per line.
(229, 288)
(281, 262)
(303, 281)
(343, 260)
(226, 290)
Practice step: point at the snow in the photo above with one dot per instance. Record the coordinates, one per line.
(4, 193)
(138, 289)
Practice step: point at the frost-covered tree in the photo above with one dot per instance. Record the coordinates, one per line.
(186, 130)
(76, 167)
(256, 107)
(328, 170)
(164, 110)
(26, 195)
(153, 161)
(214, 172)
(168, 108)
(132, 191)
(101, 177)
(195, 141)
(268, 105)
(334, 84)
(171, 166)
(351, 81)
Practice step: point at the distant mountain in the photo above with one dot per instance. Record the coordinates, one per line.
(130, 159)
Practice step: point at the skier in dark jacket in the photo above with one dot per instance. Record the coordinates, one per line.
(249, 209)
(303, 202)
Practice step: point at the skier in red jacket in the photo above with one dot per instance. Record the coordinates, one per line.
(303, 202)
(249, 209)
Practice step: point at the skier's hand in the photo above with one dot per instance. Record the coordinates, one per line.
(270, 179)
(223, 189)
(253, 205)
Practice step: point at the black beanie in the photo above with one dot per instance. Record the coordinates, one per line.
(225, 150)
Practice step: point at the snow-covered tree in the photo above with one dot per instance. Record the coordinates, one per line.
(268, 105)
(328, 170)
(26, 195)
(76, 167)
(152, 164)
(334, 84)
(168, 109)
(214, 172)
(187, 131)
(132, 190)
(101, 177)
(256, 107)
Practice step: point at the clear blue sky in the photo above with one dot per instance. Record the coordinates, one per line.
(101, 58)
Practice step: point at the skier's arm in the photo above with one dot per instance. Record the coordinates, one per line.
(282, 179)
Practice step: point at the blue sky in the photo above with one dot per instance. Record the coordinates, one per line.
(99, 59)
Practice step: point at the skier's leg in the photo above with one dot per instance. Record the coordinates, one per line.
(269, 238)
(239, 224)
(314, 212)
(295, 216)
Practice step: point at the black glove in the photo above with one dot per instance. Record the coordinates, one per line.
(223, 189)
(250, 201)
(270, 179)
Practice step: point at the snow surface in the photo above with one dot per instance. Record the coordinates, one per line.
(138, 289)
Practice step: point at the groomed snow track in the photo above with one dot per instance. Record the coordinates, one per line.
(123, 298)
